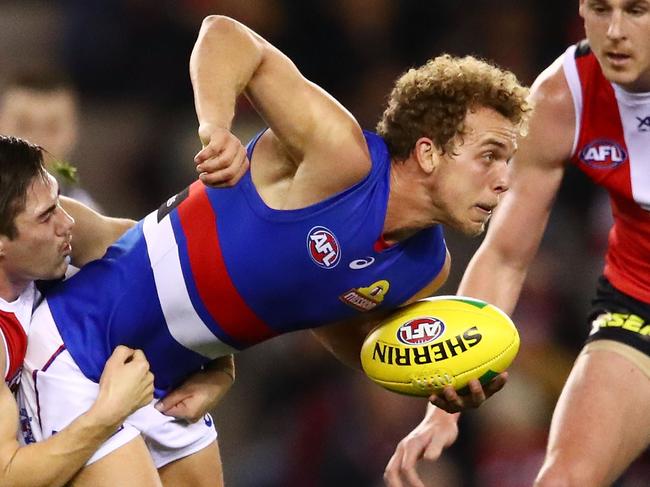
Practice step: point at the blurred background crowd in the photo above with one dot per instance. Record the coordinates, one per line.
(296, 418)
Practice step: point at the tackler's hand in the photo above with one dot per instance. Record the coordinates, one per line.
(222, 161)
(201, 392)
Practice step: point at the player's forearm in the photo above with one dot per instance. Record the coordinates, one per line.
(495, 280)
(224, 59)
(55, 461)
(93, 233)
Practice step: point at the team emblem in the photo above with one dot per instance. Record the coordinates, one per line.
(603, 154)
(323, 247)
(420, 331)
(366, 298)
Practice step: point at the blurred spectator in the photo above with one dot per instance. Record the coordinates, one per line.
(42, 106)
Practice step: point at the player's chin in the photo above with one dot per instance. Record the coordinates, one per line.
(473, 228)
(58, 271)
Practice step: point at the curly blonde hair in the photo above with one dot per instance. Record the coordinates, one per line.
(433, 100)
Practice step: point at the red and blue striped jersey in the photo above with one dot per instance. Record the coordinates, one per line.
(214, 271)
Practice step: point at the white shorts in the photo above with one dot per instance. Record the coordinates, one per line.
(54, 392)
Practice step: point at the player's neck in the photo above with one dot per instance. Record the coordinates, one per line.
(409, 206)
(11, 288)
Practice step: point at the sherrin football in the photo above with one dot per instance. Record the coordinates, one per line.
(439, 341)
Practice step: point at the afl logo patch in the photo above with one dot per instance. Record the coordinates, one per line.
(603, 154)
(420, 331)
(323, 247)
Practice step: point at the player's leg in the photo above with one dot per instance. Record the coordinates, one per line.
(127, 466)
(186, 454)
(600, 424)
(200, 469)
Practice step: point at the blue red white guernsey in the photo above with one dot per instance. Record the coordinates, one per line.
(214, 271)
(15, 317)
(612, 146)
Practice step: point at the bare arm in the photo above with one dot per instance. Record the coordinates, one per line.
(497, 271)
(230, 59)
(125, 386)
(93, 233)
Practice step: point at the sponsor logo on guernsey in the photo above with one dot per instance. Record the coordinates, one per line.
(603, 154)
(429, 353)
(420, 331)
(644, 124)
(168, 206)
(366, 298)
(26, 427)
(361, 263)
(624, 321)
(323, 247)
(207, 419)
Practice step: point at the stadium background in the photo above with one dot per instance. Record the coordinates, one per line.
(295, 416)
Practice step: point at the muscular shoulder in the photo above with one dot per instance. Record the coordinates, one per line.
(552, 125)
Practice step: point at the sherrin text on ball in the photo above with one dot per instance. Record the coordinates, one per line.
(440, 341)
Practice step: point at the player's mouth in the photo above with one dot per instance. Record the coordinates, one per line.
(485, 208)
(66, 247)
(617, 58)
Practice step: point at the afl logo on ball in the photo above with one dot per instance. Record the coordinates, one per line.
(323, 247)
(420, 331)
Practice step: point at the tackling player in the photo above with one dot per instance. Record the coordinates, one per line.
(592, 109)
(213, 271)
(35, 234)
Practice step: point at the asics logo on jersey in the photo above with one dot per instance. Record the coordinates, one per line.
(644, 124)
(323, 247)
(603, 154)
(362, 263)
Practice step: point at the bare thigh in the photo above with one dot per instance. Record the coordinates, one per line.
(127, 466)
(201, 469)
(600, 424)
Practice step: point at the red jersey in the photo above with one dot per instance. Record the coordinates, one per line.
(14, 325)
(612, 146)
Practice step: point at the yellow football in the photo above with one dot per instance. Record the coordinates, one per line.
(440, 341)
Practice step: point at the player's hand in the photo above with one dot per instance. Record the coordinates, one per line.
(222, 162)
(199, 394)
(449, 400)
(126, 385)
(437, 431)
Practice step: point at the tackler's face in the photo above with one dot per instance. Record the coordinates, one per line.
(42, 244)
(470, 181)
(619, 35)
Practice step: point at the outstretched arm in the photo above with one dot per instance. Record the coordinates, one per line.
(125, 385)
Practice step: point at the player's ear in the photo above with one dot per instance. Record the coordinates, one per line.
(426, 154)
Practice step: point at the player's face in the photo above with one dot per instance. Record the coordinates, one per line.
(48, 119)
(42, 244)
(469, 182)
(619, 35)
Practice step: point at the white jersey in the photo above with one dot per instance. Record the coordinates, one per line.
(15, 317)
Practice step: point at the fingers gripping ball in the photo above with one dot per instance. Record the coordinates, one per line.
(440, 341)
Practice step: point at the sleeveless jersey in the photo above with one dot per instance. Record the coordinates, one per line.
(214, 271)
(612, 146)
(14, 326)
